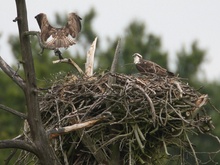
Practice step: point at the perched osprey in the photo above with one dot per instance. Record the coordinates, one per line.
(145, 66)
(54, 38)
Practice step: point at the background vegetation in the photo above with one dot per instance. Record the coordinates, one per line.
(135, 38)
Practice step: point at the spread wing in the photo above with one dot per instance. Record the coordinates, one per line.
(59, 37)
(73, 25)
(46, 29)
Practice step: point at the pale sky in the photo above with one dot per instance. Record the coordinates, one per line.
(177, 22)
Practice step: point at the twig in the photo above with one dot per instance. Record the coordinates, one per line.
(8, 109)
(216, 137)
(69, 61)
(13, 152)
(90, 59)
(193, 151)
(165, 147)
(179, 88)
(150, 102)
(201, 101)
(138, 138)
(12, 74)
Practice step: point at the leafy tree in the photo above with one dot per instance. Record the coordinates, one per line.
(188, 64)
(134, 39)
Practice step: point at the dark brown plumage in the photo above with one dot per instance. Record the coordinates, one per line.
(145, 66)
(54, 38)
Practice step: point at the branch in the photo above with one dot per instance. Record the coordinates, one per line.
(15, 112)
(20, 144)
(150, 102)
(116, 56)
(70, 61)
(179, 88)
(90, 59)
(12, 74)
(63, 130)
(41, 43)
(111, 79)
(46, 154)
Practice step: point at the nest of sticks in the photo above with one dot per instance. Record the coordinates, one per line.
(138, 119)
(112, 118)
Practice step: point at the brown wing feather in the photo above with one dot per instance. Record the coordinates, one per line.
(59, 37)
(73, 25)
(146, 66)
(46, 29)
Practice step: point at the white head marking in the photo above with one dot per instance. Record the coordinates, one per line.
(137, 58)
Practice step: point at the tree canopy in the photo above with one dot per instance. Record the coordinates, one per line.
(135, 38)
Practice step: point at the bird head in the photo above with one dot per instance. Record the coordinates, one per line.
(137, 58)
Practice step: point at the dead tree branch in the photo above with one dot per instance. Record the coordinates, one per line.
(71, 62)
(19, 144)
(12, 74)
(12, 111)
(60, 131)
(45, 152)
(111, 80)
(41, 43)
(90, 59)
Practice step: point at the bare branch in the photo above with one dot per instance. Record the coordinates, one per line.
(60, 131)
(90, 59)
(20, 144)
(111, 80)
(116, 56)
(193, 150)
(12, 74)
(41, 43)
(45, 153)
(150, 102)
(8, 109)
(69, 61)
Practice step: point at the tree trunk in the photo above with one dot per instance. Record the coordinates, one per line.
(45, 153)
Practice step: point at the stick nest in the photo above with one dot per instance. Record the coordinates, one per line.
(137, 119)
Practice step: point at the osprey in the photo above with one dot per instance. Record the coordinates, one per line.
(54, 38)
(145, 66)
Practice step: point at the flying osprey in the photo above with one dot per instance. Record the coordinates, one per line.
(145, 66)
(54, 38)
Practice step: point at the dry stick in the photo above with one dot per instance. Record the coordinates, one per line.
(12, 74)
(90, 59)
(111, 79)
(201, 101)
(150, 102)
(138, 138)
(8, 109)
(179, 88)
(193, 151)
(13, 152)
(70, 61)
(64, 130)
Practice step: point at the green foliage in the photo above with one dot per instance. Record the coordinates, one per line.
(188, 63)
(134, 39)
